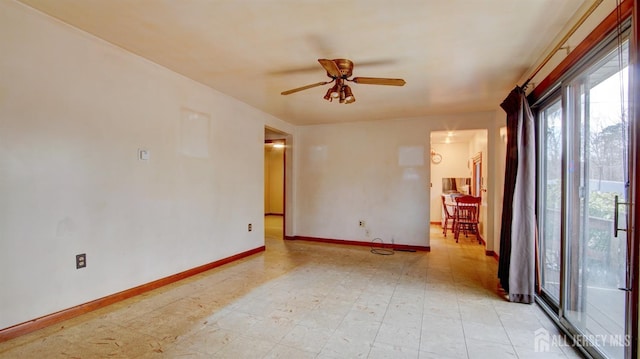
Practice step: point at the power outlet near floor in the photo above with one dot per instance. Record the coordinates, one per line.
(249, 227)
(81, 260)
(361, 223)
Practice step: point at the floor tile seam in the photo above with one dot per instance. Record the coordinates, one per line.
(109, 324)
(256, 316)
(464, 337)
(117, 323)
(86, 349)
(176, 338)
(245, 335)
(382, 319)
(25, 344)
(464, 334)
(139, 313)
(505, 331)
(395, 345)
(492, 341)
(333, 331)
(421, 323)
(527, 350)
(276, 341)
(89, 346)
(217, 348)
(342, 320)
(291, 347)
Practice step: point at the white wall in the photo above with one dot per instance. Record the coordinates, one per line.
(351, 172)
(74, 111)
(501, 153)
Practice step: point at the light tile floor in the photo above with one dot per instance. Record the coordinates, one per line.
(311, 300)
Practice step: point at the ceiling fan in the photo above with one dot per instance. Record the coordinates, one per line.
(339, 70)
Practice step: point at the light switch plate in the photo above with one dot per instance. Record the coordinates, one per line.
(143, 154)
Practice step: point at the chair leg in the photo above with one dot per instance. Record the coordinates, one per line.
(477, 233)
(454, 225)
(444, 230)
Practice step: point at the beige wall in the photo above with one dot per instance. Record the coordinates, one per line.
(274, 180)
(74, 111)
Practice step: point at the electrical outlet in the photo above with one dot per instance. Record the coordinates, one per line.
(361, 223)
(250, 227)
(81, 260)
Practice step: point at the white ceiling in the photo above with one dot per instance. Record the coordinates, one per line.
(464, 136)
(456, 55)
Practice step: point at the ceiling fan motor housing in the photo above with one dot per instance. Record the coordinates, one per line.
(345, 66)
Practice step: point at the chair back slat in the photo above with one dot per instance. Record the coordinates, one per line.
(467, 213)
(468, 208)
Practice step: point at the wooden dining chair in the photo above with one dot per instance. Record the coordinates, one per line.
(449, 218)
(467, 214)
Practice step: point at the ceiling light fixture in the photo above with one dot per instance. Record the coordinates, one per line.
(341, 92)
(342, 95)
(335, 92)
(348, 95)
(336, 89)
(328, 95)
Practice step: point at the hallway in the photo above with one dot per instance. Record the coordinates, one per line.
(311, 300)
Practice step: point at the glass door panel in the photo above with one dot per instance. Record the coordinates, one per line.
(550, 214)
(597, 154)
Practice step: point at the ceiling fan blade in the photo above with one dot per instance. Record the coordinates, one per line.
(378, 81)
(331, 67)
(377, 62)
(288, 92)
(313, 68)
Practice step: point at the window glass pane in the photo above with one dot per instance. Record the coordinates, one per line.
(551, 190)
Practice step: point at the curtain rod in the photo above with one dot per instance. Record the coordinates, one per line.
(566, 37)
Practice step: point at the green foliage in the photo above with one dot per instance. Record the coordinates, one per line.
(601, 204)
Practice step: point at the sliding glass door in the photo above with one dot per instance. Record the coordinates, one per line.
(583, 191)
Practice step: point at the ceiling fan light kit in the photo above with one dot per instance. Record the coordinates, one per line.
(339, 70)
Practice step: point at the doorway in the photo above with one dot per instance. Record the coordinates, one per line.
(457, 168)
(275, 145)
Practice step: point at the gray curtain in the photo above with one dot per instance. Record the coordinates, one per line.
(517, 267)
